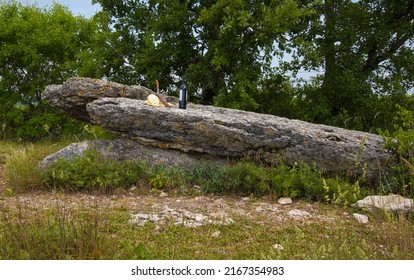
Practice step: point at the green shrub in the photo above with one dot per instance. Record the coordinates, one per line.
(401, 142)
(91, 171)
(300, 181)
(210, 179)
(247, 178)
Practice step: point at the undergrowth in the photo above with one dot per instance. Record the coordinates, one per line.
(94, 172)
(400, 178)
(91, 171)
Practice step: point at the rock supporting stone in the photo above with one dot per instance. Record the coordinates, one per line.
(218, 132)
(124, 149)
(181, 217)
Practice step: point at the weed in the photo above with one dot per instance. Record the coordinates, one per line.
(164, 177)
(21, 170)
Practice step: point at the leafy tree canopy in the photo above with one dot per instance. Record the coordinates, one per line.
(38, 47)
(365, 49)
(222, 47)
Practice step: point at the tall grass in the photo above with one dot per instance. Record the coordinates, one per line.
(53, 232)
(21, 161)
(94, 232)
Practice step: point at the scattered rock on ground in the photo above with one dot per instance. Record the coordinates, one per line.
(216, 234)
(394, 203)
(285, 201)
(181, 217)
(362, 219)
(298, 213)
(278, 247)
(163, 194)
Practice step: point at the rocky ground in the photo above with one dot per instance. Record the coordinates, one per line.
(196, 210)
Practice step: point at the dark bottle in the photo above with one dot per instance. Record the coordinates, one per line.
(182, 100)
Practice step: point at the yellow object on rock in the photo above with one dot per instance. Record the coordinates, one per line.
(154, 100)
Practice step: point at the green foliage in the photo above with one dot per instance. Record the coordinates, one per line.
(360, 45)
(401, 143)
(299, 181)
(91, 171)
(21, 163)
(164, 177)
(21, 170)
(39, 47)
(222, 47)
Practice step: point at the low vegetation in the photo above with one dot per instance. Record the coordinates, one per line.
(94, 173)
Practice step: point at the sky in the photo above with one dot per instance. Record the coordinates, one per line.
(77, 7)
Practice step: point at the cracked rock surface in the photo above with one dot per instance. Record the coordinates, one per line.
(219, 132)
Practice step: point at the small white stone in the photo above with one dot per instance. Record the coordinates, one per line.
(154, 218)
(298, 213)
(259, 209)
(216, 234)
(278, 247)
(199, 217)
(285, 201)
(142, 216)
(245, 199)
(163, 194)
(229, 221)
(142, 223)
(390, 203)
(362, 219)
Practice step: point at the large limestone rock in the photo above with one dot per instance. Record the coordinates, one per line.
(218, 131)
(72, 96)
(234, 133)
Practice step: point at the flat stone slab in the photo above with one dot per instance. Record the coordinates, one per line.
(223, 132)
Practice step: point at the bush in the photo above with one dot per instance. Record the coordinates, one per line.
(299, 181)
(91, 171)
(401, 180)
